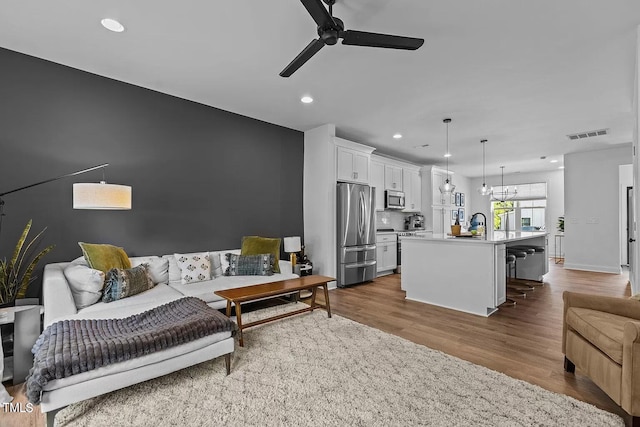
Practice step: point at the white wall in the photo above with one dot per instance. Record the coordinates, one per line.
(555, 197)
(319, 199)
(592, 233)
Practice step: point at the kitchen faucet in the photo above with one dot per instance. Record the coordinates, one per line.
(484, 223)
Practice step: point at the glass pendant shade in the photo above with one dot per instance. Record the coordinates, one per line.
(447, 187)
(484, 190)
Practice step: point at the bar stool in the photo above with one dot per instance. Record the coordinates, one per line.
(511, 262)
(519, 254)
(530, 250)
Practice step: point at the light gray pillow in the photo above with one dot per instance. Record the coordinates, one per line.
(86, 284)
(158, 267)
(216, 265)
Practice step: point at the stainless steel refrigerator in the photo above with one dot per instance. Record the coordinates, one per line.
(356, 234)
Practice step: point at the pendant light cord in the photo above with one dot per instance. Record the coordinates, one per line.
(447, 154)
(484, 181)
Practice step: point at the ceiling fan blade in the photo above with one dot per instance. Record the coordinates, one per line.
(362, 38)
(319, 13)
(306, 54)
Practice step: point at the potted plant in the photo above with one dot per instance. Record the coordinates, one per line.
(561, 224)
(17, 273)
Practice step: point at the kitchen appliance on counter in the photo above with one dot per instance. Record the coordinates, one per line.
(393, 199)
(356, 239)
(414, 222)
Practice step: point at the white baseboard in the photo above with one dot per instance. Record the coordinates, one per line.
(595, 268)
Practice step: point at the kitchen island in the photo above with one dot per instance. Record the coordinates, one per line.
(467, 273)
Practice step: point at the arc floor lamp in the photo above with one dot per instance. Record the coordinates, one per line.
(87, 195)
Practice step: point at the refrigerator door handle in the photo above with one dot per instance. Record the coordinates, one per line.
(360, 264)
(360, 248)
(363, 216)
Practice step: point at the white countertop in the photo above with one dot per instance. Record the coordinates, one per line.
(496, 238)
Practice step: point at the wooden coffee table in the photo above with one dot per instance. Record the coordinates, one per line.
(245, 294)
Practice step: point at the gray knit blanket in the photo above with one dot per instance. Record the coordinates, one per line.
(70, 347)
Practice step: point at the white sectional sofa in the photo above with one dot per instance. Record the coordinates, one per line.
(59, 304)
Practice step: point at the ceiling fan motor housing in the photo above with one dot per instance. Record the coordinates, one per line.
(330, 34)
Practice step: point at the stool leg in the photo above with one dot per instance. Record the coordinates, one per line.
(509, 301)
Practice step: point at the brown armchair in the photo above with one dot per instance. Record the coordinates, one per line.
(601, 336)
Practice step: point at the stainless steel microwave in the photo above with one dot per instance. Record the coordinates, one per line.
(393, 199)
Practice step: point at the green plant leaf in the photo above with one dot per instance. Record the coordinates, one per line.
(14, 279)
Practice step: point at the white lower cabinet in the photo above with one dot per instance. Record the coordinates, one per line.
(386, 253)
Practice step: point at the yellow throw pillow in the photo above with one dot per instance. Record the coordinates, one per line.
(255, 245)
(104, 257)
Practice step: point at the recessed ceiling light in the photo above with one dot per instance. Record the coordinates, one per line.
(397, 136)
(112, 25)
(554, 161)
(560, 167)
(306, 99)
(448, 155)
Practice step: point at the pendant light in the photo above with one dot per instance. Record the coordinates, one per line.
(504, 194)
(447, 187)
(484, 190)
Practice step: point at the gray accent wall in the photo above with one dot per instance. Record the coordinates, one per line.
(202, 177)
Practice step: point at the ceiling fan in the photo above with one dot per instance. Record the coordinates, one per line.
(330, 29)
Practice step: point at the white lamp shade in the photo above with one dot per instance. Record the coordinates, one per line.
(101, 196)
(292, 244)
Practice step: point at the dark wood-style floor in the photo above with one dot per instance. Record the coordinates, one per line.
(523, 341)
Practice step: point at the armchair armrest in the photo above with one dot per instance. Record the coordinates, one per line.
(614, 305)
(630, 393)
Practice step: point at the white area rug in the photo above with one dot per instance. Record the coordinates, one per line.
(309, 370)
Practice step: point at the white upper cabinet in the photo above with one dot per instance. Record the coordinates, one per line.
(412, 190)
(393, 177)
(352, 161)
(377, 181)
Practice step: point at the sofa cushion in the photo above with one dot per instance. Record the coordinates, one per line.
(158, 267)
(104, 257)
(224, 263)
(85, 283)
(194, 267)
(122, 283)
(256, 245)
(216, 265)
(603, 330)
(158, 295)
(250, 265)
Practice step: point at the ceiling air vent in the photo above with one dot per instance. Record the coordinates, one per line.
(589, 134)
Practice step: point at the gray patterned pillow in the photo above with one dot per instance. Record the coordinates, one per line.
(250, 265)
(121, 283)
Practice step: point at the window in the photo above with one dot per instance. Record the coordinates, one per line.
(525, 212)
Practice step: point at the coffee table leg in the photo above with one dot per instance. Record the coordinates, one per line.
(239, 322)
(228, 308)
(326, 299)
(313, 296)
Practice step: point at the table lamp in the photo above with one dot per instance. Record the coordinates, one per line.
(292, 245)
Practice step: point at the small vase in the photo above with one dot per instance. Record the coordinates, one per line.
(455, 230)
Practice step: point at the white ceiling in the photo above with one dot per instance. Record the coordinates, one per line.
(522, 74)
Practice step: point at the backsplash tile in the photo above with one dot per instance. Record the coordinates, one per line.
(390, 219)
